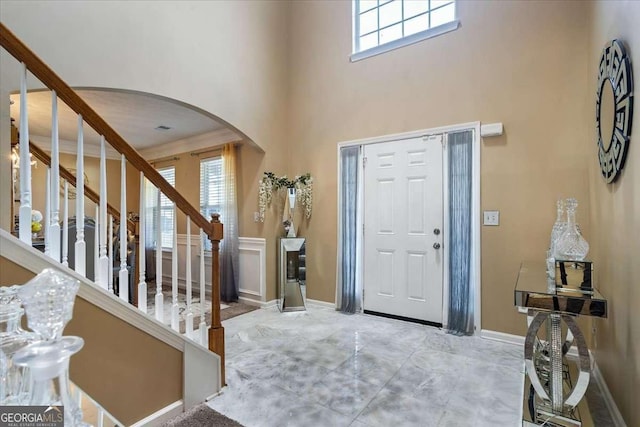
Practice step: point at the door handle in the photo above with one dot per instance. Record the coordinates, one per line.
(436, 231)
(436, 245)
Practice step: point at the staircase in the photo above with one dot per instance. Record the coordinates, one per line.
(126, 349)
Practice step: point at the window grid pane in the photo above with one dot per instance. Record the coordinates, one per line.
(166, 210)
(390, 13)
(397, 19)
(211, 189)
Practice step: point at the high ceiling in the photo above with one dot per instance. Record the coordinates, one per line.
(134, 116)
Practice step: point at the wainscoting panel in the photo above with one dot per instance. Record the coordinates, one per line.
(253, 268)
(252, 264)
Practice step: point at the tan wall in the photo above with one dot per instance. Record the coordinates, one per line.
(130, 373)
(615, 218)
(520, 63)
(225, 57)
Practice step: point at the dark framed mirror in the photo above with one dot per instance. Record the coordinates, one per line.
(614, 109)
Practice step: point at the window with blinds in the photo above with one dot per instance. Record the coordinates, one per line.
(211, 187)
(166, 210)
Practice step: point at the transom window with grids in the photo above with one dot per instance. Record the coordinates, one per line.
(166, 210)
(211, 188)
(381, 25)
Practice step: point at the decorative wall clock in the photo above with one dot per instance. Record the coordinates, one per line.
(614, 109)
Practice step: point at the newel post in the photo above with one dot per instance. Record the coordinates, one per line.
(216, 332)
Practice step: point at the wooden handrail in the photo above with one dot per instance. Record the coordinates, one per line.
(46, 75)
(213, 229)
(39, 154)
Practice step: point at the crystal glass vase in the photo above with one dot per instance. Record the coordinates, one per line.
(571, 246)
(558, 227)
(14, 379)
(48, 362)
(48, 300)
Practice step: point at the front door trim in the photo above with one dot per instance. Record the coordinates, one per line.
(475, 224)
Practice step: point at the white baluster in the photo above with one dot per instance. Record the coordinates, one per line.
(110, 254)
(24, 220)
(124, 275)
(142, 285)
(47, 213)
(80, 245)
(65, 226)
(96, 247)
(175, 310)
(189, 315)
(100, 417)
(204, 336)
(159, 296)
(103, 261)
(54, 229)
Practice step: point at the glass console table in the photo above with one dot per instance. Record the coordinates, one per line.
(555, 384)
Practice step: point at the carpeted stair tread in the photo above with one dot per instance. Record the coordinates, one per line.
(201, 416)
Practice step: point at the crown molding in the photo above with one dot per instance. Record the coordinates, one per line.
(206, 140)
(199, 142)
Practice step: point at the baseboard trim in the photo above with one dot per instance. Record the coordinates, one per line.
(322, 304)
(251, 301)
(502, 337)
(606, 394)
(256, 303)
(274, 303)
(162, 415)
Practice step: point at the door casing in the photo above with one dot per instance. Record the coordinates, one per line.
(475, 223)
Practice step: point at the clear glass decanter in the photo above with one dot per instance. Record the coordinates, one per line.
(48, 300)
(558, 227)
(14, 380)
(571, 246)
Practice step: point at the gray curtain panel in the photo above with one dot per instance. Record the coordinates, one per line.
(348, 219)
(460, 293)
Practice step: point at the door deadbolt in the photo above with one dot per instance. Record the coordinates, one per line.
(436, 231)
(436, 246)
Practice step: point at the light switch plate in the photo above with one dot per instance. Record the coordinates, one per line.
(491, 218)
(256, 217)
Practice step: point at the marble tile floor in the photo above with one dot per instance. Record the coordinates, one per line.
(325, 368)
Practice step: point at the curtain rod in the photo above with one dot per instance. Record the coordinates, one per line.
(164, 159)
(214, 149)
(201, 152)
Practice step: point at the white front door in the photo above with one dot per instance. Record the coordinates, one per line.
(403, 234)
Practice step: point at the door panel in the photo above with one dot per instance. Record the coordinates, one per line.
(385, 272)
(403, 205)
